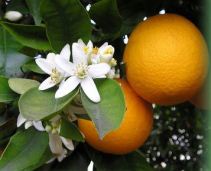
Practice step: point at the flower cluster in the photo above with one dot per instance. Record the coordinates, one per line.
(88, 63)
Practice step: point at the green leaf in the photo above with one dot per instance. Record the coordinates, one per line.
(6, 94)
(26, 150)
(108, 114)
(71, 131)
(37, 105)
(132, 12)
(66, 21)
(32, 66)
(28, 35)
(10, 59)
(130, 162)
(112, 21)
(28, 51)
(77, 161)
(34, 8)
(22, 85)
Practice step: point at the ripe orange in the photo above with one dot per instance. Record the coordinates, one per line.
(166, 59)
(133, 131)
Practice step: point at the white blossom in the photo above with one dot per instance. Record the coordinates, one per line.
(56, 141)
(13, 15)
(28, 123)
(48, 65)
(81, 73)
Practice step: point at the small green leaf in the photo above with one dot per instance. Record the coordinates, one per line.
(34, 8)
(27, 150)
(22, 85)
(66, 21)
(130, 162)
(70, 130)
(108, 114)
(112, 21)
(32, 66)
(37, 105)
(6, 94)
(28, 35)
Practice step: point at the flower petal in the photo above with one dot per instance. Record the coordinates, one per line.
(95, 59)
(78, 55)
(111, 74)
(51, 160)
(38, 125)
(69, 85)
(28, 124)
(13, 15)
(44, 65)
(20, 120)
(102, 76)
(65, 52)
(46, 84)
(51, 58)
(65, 65)
(80, 43)
(98, 70)
(62, 156)
(90, 89)
(68, 143)
(90, 45)
(55, 144)
(103, 46)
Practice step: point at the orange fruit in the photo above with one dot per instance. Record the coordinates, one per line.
(133, 131)
(166, 59)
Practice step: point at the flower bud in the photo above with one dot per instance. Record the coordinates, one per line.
(113, 62)
(13, 15)
(106, 53)
(28, 124)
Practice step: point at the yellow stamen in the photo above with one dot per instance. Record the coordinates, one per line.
(81, 71)
(86, 49)
(95, 50)
(55, 76)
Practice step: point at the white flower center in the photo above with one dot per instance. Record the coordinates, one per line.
(81, 70)
(55, 76)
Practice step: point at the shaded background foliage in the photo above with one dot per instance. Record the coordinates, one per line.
(178, 139)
